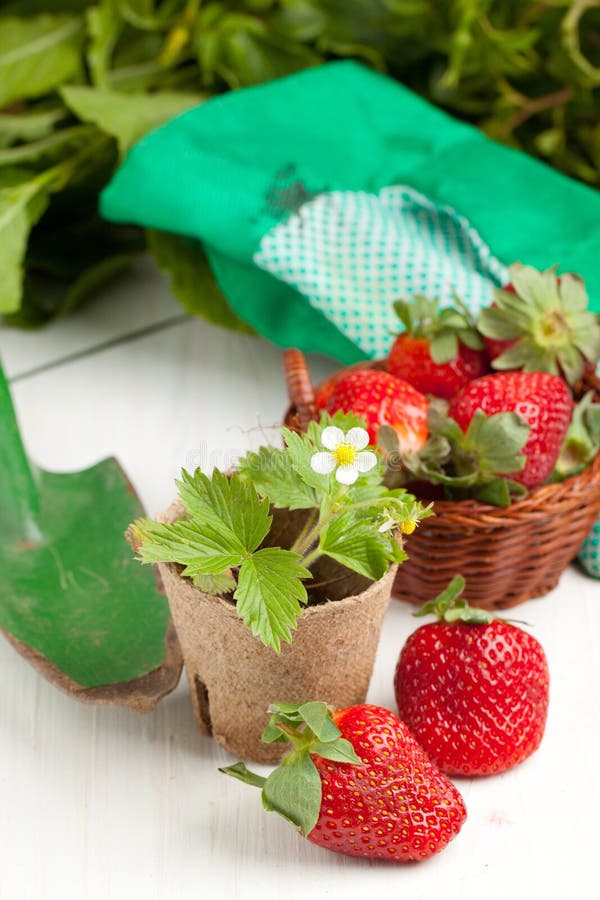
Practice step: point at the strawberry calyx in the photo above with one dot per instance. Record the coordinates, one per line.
(293, 789)
(547, 320)
(476, 463)
(582, 440)
(444, 329)
(450, 607)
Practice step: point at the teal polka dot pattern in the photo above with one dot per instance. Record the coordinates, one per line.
(589, 555)
(352, 253)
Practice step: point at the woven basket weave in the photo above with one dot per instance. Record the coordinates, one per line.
(507, 555)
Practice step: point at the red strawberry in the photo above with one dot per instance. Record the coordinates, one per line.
(472, 689)
(541, 322)
(383, 400)
(542, 400)
(358, 783)
(439, 351)
(410, 358)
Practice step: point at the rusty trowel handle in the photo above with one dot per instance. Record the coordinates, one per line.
(19, 497)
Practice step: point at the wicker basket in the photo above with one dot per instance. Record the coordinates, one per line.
(507, 555)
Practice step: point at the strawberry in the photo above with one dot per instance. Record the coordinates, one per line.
(473, 689)
(382, 399)
(357, 783)
(439, 351)
(541, 322)
(542, 400)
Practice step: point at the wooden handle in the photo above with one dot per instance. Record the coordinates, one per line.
(300, 389)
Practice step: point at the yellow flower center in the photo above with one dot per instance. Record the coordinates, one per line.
(345, 454)
(408, 526)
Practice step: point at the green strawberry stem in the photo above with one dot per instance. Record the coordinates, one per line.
(448, 607)
(293, 790)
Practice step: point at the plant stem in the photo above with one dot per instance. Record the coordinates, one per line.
(311, 557)
(311, 519)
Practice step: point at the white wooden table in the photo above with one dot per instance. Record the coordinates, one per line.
(99, 804)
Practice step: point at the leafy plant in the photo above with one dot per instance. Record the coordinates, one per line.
(92, 77)
(222, 542)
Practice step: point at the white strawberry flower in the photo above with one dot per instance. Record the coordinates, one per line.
(345, 453)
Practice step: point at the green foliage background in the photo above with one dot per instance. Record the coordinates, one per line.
(80, 82)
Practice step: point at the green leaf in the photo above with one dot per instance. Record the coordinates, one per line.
(271, 472)
(355, 544)
(493, 323)
(49, 150)
(495, 492)
(318, 718)
(202, 547)
(38, 54)
(229, 505)
(294, 791)
(582, 440)
(127, 117)
(23, 198)
(192, 280)
(340, 750)
(269, 594)
(301, 448)
(444, 347)
(29, 126)
(222, 583)
(238, 770)
(497, 440)
(104, 25)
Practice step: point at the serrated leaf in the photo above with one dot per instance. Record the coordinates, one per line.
(270, 593)
(271, 472)
(294, 791)
(301, 448)
(355, 544)
(230, 505)
(202, 547)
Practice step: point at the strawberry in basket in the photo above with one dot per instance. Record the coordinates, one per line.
(381, 399)
(440, 350)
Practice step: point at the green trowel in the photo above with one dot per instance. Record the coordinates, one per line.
(73, 600)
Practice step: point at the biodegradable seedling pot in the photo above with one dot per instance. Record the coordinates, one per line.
(234, 677)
